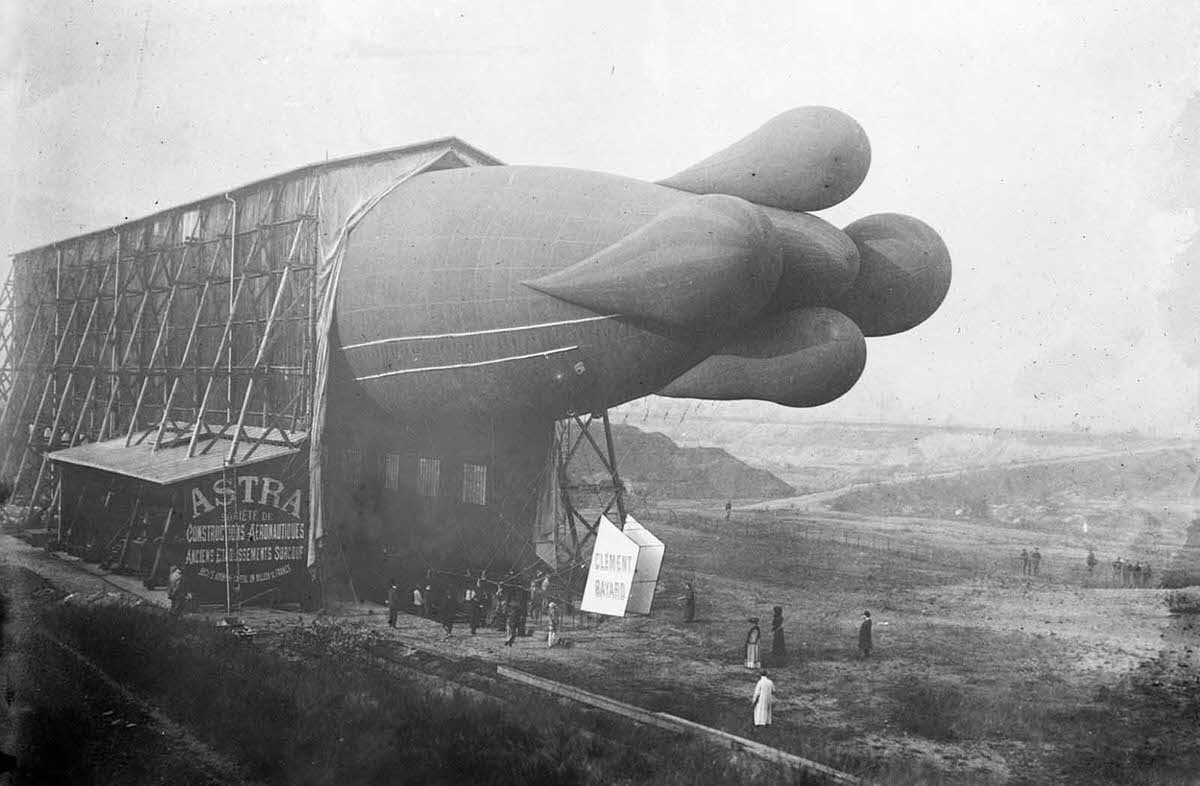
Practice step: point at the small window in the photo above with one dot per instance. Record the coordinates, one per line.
(428, 471)
(391, 471)
(474, 488)
(353, 466)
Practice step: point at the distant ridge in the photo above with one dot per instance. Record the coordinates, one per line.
(654, 466)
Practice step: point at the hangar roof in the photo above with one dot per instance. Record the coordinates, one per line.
(170, 463)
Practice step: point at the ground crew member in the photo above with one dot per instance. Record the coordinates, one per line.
(176, 590)
(1036, 559)
(393, 601)
(473, 608)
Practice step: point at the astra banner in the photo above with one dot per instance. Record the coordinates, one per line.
(248, 531)
(624, 570)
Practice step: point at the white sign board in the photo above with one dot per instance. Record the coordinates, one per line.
(610, 577)
(649, 561)
(624, 570)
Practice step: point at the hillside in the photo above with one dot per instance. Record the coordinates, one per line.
(653, 466)
(815, 455)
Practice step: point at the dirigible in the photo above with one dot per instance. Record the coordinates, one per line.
(559, 290)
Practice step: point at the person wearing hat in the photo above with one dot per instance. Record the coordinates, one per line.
(864, 636)
(764, 699)
(752, 636)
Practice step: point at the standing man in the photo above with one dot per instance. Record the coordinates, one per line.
(1037, 560)
(764, 699)
(864, 636)
(728, 509)
(552, 620)
(510, 625)
(176, 591)
(449, 610)
(1091, 560)
(752, 638)
(1025, 561)
(535, 600)
(689, 603)
(393, 601)
(473, 607)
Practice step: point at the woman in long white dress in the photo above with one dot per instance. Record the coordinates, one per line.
(764, 699)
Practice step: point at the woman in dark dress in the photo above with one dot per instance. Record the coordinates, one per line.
(778, 648)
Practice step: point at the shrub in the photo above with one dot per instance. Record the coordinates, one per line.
(928, 709)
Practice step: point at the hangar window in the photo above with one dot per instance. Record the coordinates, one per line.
(391, 471)
(353, 466)
(428, 471)
(474, 488)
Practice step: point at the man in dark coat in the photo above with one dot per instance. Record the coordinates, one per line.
(449, 610)
(864, 636)
(393, 601)
(689, 603)
(177, 590)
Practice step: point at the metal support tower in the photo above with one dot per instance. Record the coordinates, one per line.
(579, 528)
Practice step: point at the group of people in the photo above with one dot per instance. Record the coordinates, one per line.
(488, 603)
(1031, 562)
(754, 636)
(1131, 574)
(763, 699)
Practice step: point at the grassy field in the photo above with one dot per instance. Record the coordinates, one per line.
(981, 674)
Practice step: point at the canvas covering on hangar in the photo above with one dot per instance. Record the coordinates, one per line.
(186, 343)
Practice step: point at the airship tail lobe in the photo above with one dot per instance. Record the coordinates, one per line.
(709, 263)
(802, 358)
(808, 158)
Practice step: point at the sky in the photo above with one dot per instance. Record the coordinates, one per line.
(1054, 146)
